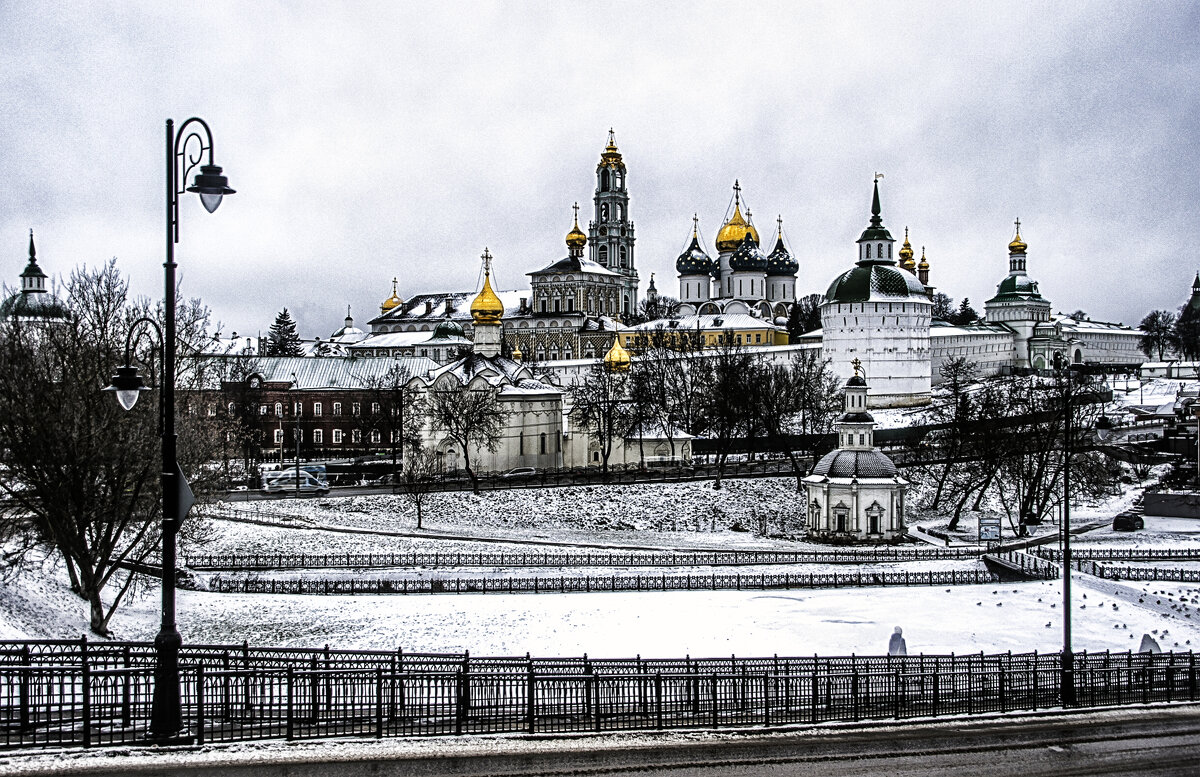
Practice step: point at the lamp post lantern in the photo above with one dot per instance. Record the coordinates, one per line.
(186, 149)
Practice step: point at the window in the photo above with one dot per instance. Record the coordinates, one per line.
(356, 436)
(521, 444)
(316, 408)
(337, 408)
(355, 409)
(298, 408)
(231, 408)
(375, 435)
(279, 410)
(318, 436)
(542, 443)
(337, 436)
(868, 250)
(602, 255)
(542, 306)
(374, 408)
(279, 437)
(624, 255)
(262, 409)
(557, 306)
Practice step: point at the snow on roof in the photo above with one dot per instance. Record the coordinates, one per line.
(329, 372)
(733, 321)
(573, 264)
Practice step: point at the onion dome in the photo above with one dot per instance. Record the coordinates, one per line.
(576, 240)
(487, 307)
(448, 329)
(516, 353)
(748, 257)
(1017, 246)
(611, 157)
(617, 359)
(906, 254)
(924, 265)
(869, 281)
(348, 330)
(694, 261)
(736, 229)
(393, 301)
(780, 262)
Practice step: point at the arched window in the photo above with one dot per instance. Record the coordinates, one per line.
(868, 250)
(619, 177)
(542, 442)
(889, 250)
(604, 180)
(602, 255)
(624, 255)
(879, 252)
(604, 212)
(279, 410)
(620, 212)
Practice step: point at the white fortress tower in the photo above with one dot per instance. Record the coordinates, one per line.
(879, 314)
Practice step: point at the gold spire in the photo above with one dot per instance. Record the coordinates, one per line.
(617, 359)
(516, 353)
(731, 235)
(391, 302)
(924, 265)
(575, 238)
(611, 157)
(487, 307)
(1017, 246)
(906, 254)
(696, 225)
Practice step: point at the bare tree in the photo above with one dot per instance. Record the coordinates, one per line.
(723, 399)
(1158, 333)
(599, 406)
(392, 411)
(418, 478)
(472, 417)
(88, 472)
(664, 382)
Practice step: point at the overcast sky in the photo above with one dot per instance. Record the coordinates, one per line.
(391, 139)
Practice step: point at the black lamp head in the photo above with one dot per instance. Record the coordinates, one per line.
(211, 186)
(128, 386)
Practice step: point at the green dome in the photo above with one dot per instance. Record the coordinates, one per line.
(865, 282)
(447, 330)
(1016, 287)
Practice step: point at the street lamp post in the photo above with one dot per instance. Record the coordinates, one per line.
(186, 149)
(1067, 685)
(296, 407)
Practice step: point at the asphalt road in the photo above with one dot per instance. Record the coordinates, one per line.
(1150, 741)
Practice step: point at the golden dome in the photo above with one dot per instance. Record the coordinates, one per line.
(576, 238)
(393, 301)
(732, 234)
(906, 253)
(924, 265)
(516, 353)
(611, 157)
(1017, 246)
(487, 307)
(617, 359)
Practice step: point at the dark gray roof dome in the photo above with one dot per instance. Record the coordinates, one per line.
(694, 261)
(856, 380)
(868, 281)
(855, 464)
(448, 329)
(748, 257)
(780, 262)
(42, 306)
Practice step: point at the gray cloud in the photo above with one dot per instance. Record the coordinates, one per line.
(400, 139)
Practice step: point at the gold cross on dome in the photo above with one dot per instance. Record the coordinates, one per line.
(857, 367)
(1018, 226)
(576, 207)
(487, 261)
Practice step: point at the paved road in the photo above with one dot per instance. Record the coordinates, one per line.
(1148, 742)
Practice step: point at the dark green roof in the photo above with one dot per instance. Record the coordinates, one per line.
(877, 231)
(1015, 288)
(35, 305)
(870, 281)
(694, 261)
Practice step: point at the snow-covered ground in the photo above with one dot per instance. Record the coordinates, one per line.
(1013, 616)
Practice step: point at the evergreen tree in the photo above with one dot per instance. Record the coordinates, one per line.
(282, 339)
(805, 316)
(1187, 333)
(965, 315)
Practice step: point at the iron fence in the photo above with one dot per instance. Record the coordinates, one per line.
(1121, 554)
(270, 561)
(594, 584)
(1161, 574)
(84, 705)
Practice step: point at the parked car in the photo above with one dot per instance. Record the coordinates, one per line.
(520, 473)
(1128, 522)
(284, 483)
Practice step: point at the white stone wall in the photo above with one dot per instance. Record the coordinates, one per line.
(531, 415)
(857, 499)
(891, 339)
(991, 351)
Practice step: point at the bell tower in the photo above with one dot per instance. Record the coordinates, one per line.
(610, 234)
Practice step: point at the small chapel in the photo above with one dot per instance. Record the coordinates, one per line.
(854, 493)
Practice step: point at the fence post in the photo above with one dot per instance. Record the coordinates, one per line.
(314, 690)
(1191, 676)
(715, 710)
(378, 702)
(898, 692)
(125, 686)
(86, 676)
(26, 673)
(815, 691)
(937, 689)
(767, 699)
(460, 708)
(658, 699)
(291, 702)
(854, 693)
(200, 722)
(530, 700)
(1003, 700)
